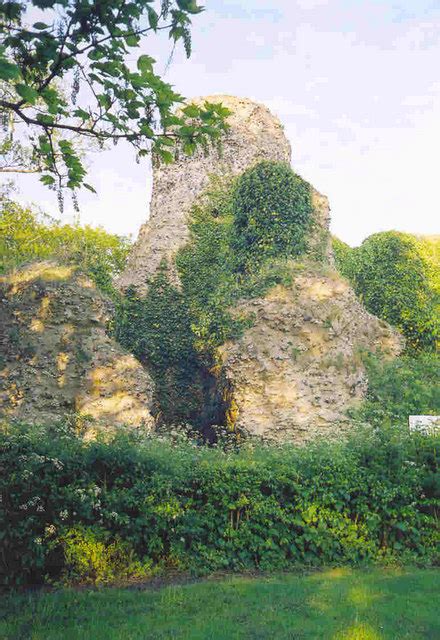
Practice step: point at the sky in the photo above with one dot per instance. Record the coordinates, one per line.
(355, 83)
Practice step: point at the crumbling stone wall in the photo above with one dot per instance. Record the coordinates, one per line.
(296, 371)
(254, 134)
(56, 357)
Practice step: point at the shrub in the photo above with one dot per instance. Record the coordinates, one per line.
(396, 277)
(400, 388)
(272, 208)
(203, 509)
(344, 255)
(26, 236)
(91, 556)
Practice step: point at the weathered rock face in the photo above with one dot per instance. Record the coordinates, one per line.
(55, 355)
(255, 134)
(296, 371)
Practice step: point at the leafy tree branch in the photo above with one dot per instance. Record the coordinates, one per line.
(70, 77)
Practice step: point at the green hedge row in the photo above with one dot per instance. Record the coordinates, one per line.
(99, 511)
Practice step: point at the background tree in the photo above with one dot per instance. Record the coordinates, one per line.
(27, 235)
(85, 44)
(396, 276)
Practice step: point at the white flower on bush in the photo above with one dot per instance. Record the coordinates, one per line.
(64, 514)
(36, 501)
(57, 464)
(92, 492)
(37, 458)
(81, 493)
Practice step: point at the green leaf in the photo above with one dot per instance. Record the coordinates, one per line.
(145, 64)
(47, 180)
(132, 40)
(146, 131)
(96, 54)
(27, 93)
(190, 6)
(189, 148)
(8, 70)
(166, 156)
(40, 26)
(191, 111)
(153, 18)
(45, 119)
(89, 187)
(80, 113)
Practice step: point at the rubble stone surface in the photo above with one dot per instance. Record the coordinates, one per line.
(254, 134)
(296, 371)
(294, 374)
(56, 357)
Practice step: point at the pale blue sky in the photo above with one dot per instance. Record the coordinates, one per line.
(355, 83)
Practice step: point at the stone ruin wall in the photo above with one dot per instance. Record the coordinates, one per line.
(289, 377)
(56, 357)
(254, 134)
(294, 373)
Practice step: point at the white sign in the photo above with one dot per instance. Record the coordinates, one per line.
(425, 424)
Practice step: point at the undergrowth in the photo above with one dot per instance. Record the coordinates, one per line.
(27, 236)
(129, 504)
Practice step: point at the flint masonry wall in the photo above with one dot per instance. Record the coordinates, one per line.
(56, 357)
(296, 371)
(255, 134)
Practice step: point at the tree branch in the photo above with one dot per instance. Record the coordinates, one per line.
(77, 128)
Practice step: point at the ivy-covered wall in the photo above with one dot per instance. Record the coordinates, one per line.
(271, 208)
(240, 239)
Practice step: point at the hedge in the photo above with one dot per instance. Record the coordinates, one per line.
(98, 511)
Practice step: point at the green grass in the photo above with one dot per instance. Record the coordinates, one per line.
(337, 604)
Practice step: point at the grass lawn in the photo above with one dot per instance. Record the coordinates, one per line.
(336, 604)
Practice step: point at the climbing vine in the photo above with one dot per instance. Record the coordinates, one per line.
(176, 331)
(221, 264)
(272, 210)
(157, 330)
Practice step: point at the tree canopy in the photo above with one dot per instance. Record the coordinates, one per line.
(65, 72)
(396, 276)
(26, 236)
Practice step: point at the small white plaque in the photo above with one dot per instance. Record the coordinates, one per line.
(425, 424)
